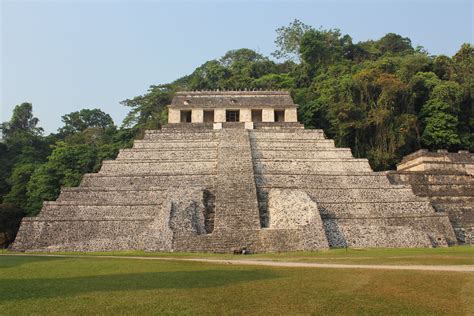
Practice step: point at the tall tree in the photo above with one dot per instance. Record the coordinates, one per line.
(288, 40)
(79, 121)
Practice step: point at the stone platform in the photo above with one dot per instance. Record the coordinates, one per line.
(272, 188)
(447, 180)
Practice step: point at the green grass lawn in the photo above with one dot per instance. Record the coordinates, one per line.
(85, 285)
(460, 255)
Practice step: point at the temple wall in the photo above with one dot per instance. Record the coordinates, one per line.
(291, 115)
(197, 116)
(219, 115)
(245, 115)
(268, 115)
(174, 115)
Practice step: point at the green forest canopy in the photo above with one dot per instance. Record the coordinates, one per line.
(382, 98)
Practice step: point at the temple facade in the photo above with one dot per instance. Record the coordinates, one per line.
(232, 106)
(234, 171)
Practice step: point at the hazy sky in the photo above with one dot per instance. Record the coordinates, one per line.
(63, 56)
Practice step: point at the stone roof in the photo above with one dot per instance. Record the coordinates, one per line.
(216, 99)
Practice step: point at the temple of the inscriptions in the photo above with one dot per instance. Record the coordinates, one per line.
(233, 171)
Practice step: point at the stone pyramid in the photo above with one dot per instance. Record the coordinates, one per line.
(276, 187)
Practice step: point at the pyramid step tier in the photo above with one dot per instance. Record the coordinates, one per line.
(175, 155)
(293, 143)
(329, 153)
(312, 166)
(112, 196)
(364, 179)
(183, 144)
(127, 181)
(359, 194)
(144, 167)
(67, 210)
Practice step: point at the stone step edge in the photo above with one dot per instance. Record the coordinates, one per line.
(167, 149)
(310, 159)
(325, 173)
(436, 215)
(291, 141)
(322, 203)
(389, 186)
(83, 189)
(153, 160)
(186, 141)
(304, 150)
(94, 219)
(82, 203)
(118, 161)
(445, 184)
(100, 175)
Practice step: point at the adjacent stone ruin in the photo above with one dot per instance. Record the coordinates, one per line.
(228, 186)
(447, 179)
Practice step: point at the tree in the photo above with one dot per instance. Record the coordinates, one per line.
(79, 121)
(18, 182)
(323, 47)
(65, 167)
(23, 144)
(395, 44)
(288, 40)
(22, 122)
(440, 116)
(10, 218)
(149, 111)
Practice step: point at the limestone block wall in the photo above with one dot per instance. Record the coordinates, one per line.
(268, 115)
(291, 115)
(245, 115)
(197, 115)
(219, 115)
(174, 115)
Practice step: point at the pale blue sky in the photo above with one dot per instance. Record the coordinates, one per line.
(67, 55)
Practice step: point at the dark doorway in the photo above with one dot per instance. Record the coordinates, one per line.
(209, 116)
(279, 116)
(256, 115)
(185, 116)
(232, 115)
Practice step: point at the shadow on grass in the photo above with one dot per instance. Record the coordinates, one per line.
(19, 289)
(16, 261)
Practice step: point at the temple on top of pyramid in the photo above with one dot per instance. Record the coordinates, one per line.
(234, 171)
(232, 106)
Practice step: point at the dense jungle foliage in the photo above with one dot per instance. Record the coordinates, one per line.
(382, 98)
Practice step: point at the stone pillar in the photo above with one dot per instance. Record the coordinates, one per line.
(268, 115)
(245, 115)
(219, 115)
(174, 115)
(291, 115)
(197, 116)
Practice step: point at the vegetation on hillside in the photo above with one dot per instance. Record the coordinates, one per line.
(382, 98)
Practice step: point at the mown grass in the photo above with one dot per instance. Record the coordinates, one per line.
(460, 255)
(85, 285)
